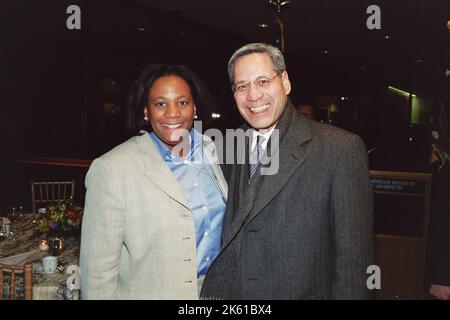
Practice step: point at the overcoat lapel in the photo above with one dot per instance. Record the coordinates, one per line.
(263, 188)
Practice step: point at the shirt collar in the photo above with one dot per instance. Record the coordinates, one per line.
(195, 140)
(266, 137)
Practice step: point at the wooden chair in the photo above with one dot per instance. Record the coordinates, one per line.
(48, 192)
(27, 280)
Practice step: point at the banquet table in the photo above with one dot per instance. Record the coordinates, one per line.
(22, 246)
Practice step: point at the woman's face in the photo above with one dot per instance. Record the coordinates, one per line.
(170, 109)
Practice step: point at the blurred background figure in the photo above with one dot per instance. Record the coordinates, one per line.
(307, 110)
(438, 262)
(438, 253)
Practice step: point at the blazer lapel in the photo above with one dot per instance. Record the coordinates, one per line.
(157, 171)
(209, 151)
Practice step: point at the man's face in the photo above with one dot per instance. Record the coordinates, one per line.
(261, 108)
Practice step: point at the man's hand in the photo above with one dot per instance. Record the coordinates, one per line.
(440, 292)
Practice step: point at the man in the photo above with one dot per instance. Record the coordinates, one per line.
(304, 232)
(307, 110)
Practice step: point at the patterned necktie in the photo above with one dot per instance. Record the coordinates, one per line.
(256, 155)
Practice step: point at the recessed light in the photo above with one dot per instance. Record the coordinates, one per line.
(263, 25)
(141, 29)
(419, 60)
(325, 51)
(386, 37)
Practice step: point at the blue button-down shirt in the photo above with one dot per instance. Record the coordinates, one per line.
(200, 187)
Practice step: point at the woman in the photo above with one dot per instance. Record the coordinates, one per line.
(154, 206)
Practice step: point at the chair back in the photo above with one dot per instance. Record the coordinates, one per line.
(11, 270)
(47, 192)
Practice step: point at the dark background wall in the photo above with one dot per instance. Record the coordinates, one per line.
(62, 91)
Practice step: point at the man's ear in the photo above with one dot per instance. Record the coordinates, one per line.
(286, 82)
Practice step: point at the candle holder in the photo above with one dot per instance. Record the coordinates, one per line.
(43, 245)
(56, 245)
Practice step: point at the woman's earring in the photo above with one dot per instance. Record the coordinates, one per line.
(145, 118)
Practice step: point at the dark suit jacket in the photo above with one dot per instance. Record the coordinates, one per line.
(305, 232)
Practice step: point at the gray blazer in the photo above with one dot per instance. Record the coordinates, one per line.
(138, 234)
(305, 232)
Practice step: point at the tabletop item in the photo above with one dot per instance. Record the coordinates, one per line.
(5, 229)
(60, 217)
(49, 264)
(56, 245)
(43, 245)
(22, 247)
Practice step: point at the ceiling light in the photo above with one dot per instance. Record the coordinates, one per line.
(325, 51)
(215, 115)
(263, 25)
(141, 29)
(419, 60)
(402, 92)
(386, 37)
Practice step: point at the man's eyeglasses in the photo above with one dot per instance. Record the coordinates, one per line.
(260, 83)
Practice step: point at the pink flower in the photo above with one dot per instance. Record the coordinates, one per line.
(72, 215)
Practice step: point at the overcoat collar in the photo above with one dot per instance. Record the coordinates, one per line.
(294, 134)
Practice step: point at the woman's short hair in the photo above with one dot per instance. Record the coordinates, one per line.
(137, 97)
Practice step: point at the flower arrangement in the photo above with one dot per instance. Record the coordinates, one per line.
(61, 217)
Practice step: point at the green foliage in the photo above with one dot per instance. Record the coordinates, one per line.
(62, 216)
